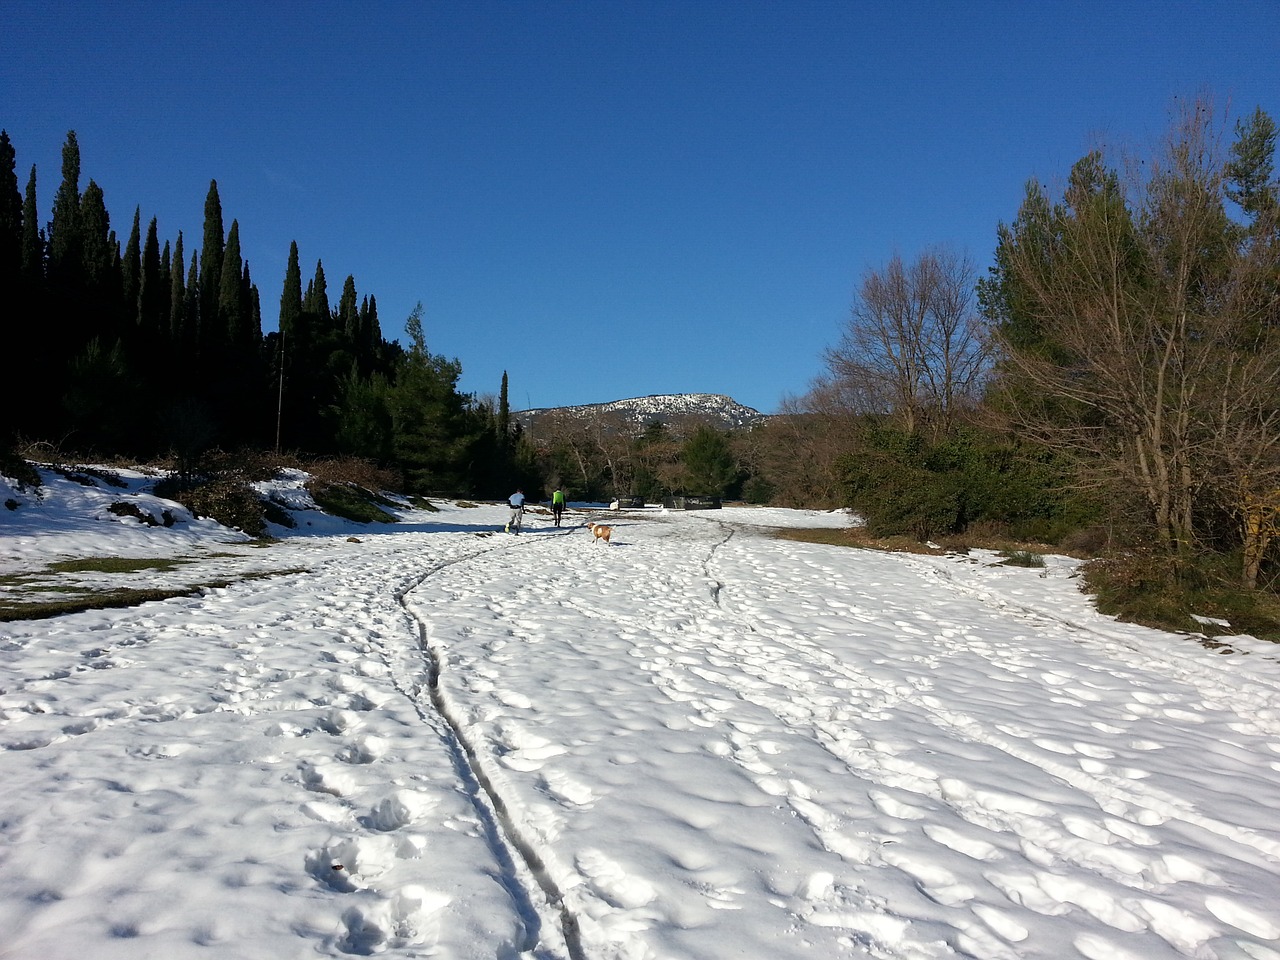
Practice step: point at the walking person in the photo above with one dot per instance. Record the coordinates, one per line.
(516, 503)
(557, 505)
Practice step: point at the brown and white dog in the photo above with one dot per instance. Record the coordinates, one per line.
(600, 531)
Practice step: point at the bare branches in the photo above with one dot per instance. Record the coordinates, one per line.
(911, 348)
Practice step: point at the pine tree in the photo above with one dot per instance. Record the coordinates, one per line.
(1250, 172)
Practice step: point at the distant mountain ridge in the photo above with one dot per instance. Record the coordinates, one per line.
(675, 410)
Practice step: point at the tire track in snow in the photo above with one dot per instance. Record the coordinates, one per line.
(525, 868)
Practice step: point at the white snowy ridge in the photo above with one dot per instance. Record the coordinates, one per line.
(713, 408)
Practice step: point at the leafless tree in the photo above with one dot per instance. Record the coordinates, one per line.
(912, 347)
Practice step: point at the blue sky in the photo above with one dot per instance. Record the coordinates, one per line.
(606, 199)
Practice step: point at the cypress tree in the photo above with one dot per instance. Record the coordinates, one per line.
(131, 273)
(190, 342)
(349, 312)
(318, 296)
(504, 409)
(152, 296)
(177, 294)
(10, 214)
(98, 247)
(64, 230)
(232, 312)
(291, 298)
(166, 284)
(32, 241)
(211, 256)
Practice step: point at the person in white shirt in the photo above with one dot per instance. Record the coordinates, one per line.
(516, 502)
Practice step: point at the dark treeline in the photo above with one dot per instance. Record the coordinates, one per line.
(153, 347)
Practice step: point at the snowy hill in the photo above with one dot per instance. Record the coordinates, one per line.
(678, 411)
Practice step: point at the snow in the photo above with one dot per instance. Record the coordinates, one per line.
(433, 739)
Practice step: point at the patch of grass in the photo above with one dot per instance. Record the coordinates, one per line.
(853, 537)
(113, 565)
(43, 609)
(80, 600)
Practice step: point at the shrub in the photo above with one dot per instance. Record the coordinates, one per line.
(1021, 558)
(350, 502)
(232, 502)
(18, 469)
(1158, 589)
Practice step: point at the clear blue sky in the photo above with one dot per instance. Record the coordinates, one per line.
(606, 199)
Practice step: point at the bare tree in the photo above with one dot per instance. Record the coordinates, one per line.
(912, 347)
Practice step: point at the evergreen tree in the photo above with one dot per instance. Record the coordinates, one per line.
(10, 214)
(504, 410)
(64, 232)
(177, 294)
(232, 309)
(211, 257)
(32, 242)
(166, 286)
(152, 299)
(349, 312)
(430, 428)
(291, 298)
(1250, 172)
(709, 466)
(98, 249)
(131, 274)
(190, 340)
(317, 301)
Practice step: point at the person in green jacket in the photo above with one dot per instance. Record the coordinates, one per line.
(557, 505)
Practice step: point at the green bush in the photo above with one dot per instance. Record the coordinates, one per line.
(902, 485)
(351, 502)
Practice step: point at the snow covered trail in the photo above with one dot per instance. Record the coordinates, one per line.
(721, 745)
(696, 742)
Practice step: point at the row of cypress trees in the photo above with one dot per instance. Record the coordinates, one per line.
(153, 348)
